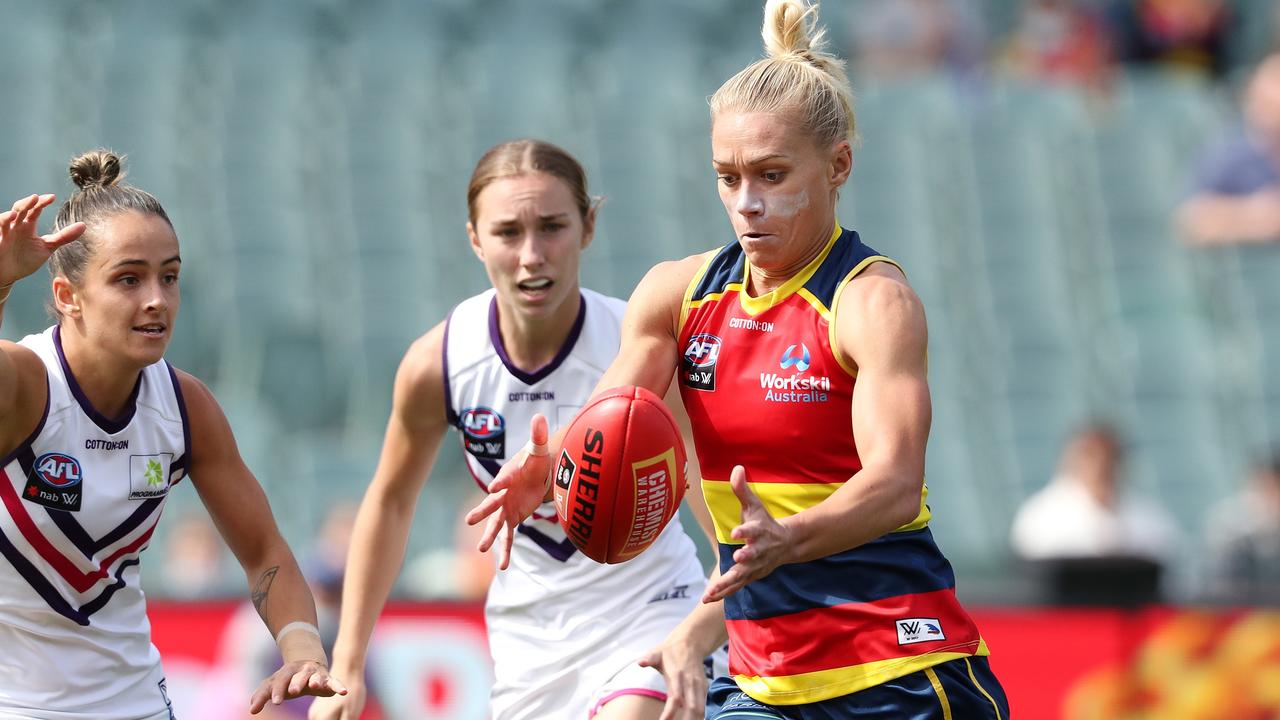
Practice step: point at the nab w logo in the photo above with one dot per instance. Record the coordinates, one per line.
(918, 630)
(55, 482)
(790, 357)
(698, 366)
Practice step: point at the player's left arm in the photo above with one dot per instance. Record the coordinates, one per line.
(240, 510)
(880, 327)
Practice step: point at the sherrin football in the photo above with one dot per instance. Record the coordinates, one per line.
(621, 474)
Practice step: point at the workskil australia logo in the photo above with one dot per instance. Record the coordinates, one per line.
(796, 387)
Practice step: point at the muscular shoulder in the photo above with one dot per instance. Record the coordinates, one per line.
(419, 387)
(879, 313)
(423, 362)
(661, 292)
(672, 277)
(23, 394)
(212, 442)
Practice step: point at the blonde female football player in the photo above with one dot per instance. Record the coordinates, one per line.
(801, 361)
(95, 430)
(565, 632)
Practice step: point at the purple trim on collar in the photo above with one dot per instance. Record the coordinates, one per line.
(450, 415)
(537, 376)
(107, 425)
(31, 439)
(186, 422)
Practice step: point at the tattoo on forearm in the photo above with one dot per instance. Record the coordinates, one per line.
(263, 587)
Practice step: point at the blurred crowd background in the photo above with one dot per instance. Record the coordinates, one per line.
(1084, 192)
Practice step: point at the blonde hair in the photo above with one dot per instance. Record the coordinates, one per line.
(797, 76)
(518, 157)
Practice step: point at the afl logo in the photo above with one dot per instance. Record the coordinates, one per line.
(57, 470)
(703, 351)
(482, 423)
(698, 366)
(799, 359)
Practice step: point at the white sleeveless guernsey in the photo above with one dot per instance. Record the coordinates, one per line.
(561, 625)
(81, 499)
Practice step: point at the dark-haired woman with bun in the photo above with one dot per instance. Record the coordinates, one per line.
(800, 353)
(95, 430)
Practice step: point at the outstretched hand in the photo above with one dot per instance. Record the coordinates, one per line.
(766, 542)
(22, 249)
(521, 486)
(686, 678)
(293, 680)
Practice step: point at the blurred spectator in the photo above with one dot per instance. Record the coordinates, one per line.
(196, 565)
(1190, 35)
(1059, 41)
(1236, 193)
(1084, 512)
(904, 38)
(1243, 534)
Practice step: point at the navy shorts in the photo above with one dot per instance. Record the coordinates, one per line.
(962, 689)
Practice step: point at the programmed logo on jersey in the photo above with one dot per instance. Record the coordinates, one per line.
(918, 630)
(149, 476)
(698, 366)
(56, 481)
(484, 433)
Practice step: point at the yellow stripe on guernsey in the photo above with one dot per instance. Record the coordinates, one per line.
(826, 684)
(845, 362)
(688, 303)
(781, 500)
(755, 305)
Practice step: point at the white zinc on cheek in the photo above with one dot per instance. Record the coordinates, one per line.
(788, 206)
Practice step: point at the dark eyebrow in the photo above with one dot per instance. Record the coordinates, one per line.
(134, 261)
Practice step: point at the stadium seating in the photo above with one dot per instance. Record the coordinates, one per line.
(314, 159)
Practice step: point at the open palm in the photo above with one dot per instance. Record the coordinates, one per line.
(520, 487)
(22, 249)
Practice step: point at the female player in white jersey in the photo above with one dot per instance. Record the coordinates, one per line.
(565, 632)
(95, 428)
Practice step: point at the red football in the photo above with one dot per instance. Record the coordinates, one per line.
(621, 474)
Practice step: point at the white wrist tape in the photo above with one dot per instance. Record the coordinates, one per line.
(297, 625)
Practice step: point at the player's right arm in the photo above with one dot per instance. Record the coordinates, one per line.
(22, 380)
(646, 357)
(414, 433)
